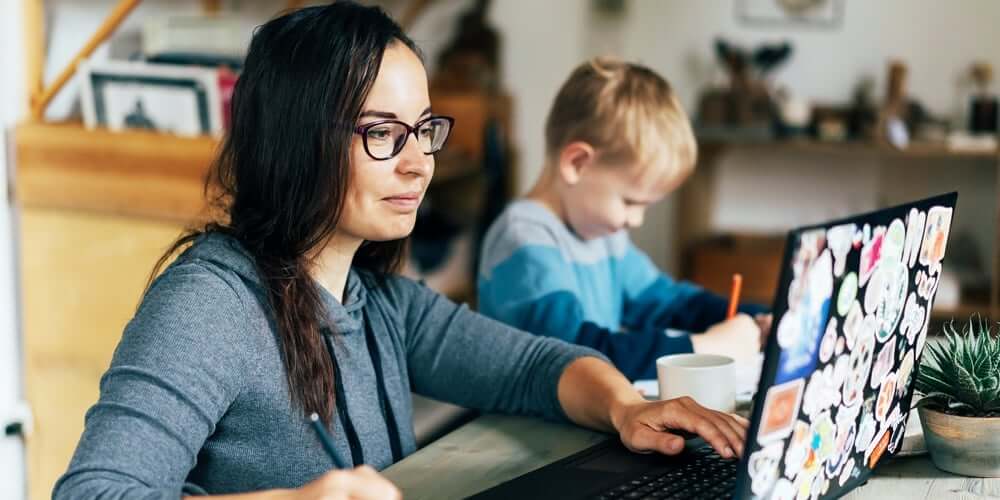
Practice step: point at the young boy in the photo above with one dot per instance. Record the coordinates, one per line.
(560, 263)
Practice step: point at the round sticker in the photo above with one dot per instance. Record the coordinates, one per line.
(829, 342)
(852, 324)
(903, 373)
(848, 292)
(859, 368)
(886, 397)
(894, 241)
(883, 363)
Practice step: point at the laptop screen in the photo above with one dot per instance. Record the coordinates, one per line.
(850, 321)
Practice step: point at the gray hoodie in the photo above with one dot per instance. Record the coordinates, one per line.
(196, 399)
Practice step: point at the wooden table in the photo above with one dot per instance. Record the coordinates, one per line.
(493, 449)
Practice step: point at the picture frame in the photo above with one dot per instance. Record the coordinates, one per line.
(818, 14)
(181, 100)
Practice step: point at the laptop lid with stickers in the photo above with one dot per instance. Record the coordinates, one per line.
(850, 322)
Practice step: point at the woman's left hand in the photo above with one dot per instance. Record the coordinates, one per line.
(646, 427)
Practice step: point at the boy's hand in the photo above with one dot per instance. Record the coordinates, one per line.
(646, 427)
(738, 338)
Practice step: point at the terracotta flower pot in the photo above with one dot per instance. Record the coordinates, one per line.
(969, 446)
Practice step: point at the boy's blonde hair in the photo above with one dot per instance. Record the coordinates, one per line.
(627, 112)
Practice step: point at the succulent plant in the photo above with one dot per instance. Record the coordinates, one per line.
(960, 375)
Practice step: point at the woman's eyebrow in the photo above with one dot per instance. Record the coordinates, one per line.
(387, 115)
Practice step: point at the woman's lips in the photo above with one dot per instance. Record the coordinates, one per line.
(406, 202)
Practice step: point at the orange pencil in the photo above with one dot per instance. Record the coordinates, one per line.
(734, 295)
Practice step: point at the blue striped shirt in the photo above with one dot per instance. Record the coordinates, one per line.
(604, 293)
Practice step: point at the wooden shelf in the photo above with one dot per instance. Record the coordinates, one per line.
(961, 312)
(141, 174)
(915, 150)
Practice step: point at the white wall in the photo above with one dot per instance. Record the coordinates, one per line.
(12, 476)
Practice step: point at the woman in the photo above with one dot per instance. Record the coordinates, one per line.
(290, 307)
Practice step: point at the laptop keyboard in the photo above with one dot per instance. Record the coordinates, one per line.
(704, 475)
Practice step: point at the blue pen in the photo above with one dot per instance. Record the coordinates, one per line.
(327, 441)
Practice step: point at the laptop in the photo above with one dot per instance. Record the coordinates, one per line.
(850, 322)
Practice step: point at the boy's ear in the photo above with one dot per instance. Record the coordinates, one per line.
(573, 158)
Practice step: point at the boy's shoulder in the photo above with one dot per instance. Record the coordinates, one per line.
(525, 222)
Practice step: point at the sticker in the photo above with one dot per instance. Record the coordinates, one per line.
(798, 450)
(829, 342)
(763, 468)
(823, 441)
(871, 254)
(922, 336)
(935, 238)
(798, 356)
(840, 240)
(780, 409)
(841, 345)
(783, 490)
(883, 363)
(913, 318)
(845, 475)
(894, 242)
(847, 415)
(926, 285)
(860, 366)
(891, 308)
(886, 397)
(848, 292)
(866, 430)
(841, 369)
(914, 235)
(852, 324)
(878, 447)
(817, 394)
(842, 446)
(897, 439)
(903, 373)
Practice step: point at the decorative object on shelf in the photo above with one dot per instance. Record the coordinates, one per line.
(794, 113)
(470, 61)
(983, 107)
(863, 113)
(203, 40)
(744, 109)
(959, 378)
(823, 14)
(901, 117)
(182, 100)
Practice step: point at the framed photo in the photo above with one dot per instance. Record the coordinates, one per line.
(182, 100)
(823, 14)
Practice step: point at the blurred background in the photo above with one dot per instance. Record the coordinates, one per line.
(805, 110)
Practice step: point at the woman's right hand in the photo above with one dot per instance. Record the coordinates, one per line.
(360, 483)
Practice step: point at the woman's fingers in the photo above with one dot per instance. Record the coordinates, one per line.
(645, 440)
(719, 430)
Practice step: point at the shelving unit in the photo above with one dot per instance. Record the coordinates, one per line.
(696, 200)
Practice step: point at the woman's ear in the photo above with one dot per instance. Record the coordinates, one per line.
(573, 158)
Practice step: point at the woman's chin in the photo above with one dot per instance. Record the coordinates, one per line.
(390, 231)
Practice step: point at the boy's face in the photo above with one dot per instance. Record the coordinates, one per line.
(608, 198)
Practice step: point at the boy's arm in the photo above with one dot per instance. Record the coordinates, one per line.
(560, 315)
(653, 300)
(533, 290)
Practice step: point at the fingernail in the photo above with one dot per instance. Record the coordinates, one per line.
(729, 452)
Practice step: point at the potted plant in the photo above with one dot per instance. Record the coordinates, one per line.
(959, 378)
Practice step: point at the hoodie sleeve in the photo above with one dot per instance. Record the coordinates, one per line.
(465, 358)
(172, 377)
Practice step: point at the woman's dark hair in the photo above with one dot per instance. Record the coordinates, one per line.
(282, 173)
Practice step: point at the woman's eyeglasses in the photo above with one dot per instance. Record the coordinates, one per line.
(384, 139)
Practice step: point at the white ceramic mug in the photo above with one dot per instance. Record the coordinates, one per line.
(706, 378)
